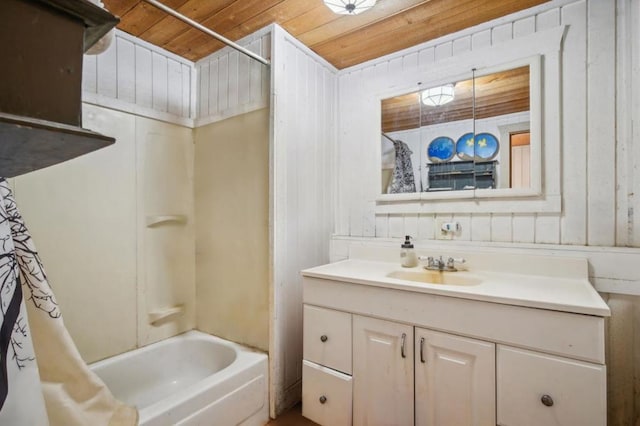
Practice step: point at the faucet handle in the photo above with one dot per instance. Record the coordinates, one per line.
(451, 262)
(430, 261)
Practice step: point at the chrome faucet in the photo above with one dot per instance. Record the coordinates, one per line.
(438, 264)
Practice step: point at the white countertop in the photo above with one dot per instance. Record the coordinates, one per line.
(560, 293)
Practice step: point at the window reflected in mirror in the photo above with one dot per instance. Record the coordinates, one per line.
(464, 135)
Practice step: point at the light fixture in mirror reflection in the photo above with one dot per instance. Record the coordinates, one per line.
(478, 139)
(438, 96)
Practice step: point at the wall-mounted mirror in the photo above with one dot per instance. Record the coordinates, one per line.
(470, 134)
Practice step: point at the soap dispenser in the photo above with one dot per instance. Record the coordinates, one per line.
(407, 254)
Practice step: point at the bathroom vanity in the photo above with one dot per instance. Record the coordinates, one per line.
(386, 345)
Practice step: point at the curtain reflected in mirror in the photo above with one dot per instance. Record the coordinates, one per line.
(465, 135)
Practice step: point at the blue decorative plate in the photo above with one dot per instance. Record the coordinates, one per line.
(464, 147)
(487, 146)
(441, 149)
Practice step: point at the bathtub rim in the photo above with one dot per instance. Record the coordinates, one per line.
(246, 359)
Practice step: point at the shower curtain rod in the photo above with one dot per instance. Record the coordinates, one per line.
(206, 30)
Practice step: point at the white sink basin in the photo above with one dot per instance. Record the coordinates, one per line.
(436, 277)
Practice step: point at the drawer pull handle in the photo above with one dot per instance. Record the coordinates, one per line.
(404, 338)
(323, 338)
(422, 350)
(547, 400)
(323, 399)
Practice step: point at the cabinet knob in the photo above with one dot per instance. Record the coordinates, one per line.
(323, 399)
(323, 338)
(547, 400)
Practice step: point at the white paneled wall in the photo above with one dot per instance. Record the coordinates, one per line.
(304, 90)
(586, 122)
(628, 116)
(136, 77)
(230, 83)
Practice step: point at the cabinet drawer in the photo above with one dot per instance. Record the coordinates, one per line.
(538, 389)
(326, 395)
(327, 338)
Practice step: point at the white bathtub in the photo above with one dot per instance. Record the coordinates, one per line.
(191, 379)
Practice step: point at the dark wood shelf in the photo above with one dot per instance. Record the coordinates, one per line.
(41, 81)
(97, 21)
(29, 144)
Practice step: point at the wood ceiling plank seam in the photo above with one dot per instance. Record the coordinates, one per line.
(266, 18)
(278, 13)
(198, 39)
(400, 37)
(506, 85)
(313, 18)
(170, 27)
(516, 91)
(120, 7)
(193, 37)
(344, 24)
(519, 73)
(499, 102)
(221, 24)
(144, 16)
(503, 84)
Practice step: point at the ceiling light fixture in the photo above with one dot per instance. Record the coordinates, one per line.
(437, 96)
(349, 7)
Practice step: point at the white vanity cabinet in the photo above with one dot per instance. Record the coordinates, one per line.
(403, 356)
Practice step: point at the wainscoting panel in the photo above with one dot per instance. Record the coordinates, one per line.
(137, 77)
(230, 83)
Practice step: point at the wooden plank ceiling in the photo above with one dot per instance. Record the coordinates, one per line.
(497, 94)
(391, 25)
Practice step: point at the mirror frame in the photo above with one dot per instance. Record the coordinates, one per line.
(542, 52)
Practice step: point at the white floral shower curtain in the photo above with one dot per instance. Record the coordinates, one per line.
(21, 399)
(43, 379)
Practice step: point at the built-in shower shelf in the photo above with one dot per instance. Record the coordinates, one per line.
(157, 220)
(164, 314)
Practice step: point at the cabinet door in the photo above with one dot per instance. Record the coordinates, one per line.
(382, 372)
(540, 389)
(455, 380)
